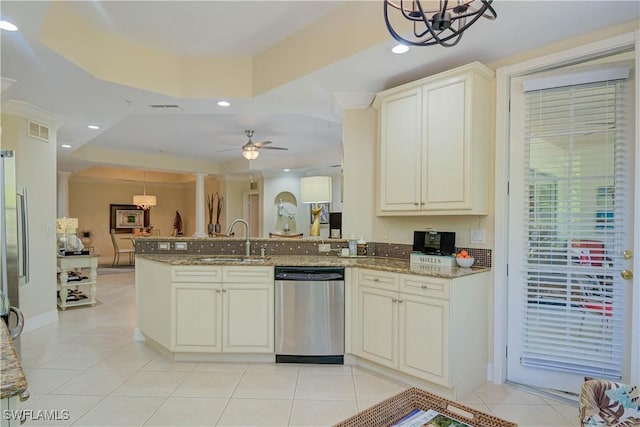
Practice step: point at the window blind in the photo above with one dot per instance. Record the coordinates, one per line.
(576, 187)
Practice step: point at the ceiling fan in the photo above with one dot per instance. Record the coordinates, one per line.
(250, 149)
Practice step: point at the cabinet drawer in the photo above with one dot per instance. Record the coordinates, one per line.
(196, 274)
(426, 286)
(247, 274)
(378, 279)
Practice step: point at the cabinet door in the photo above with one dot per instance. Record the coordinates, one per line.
(446, 183)
(400, 152)
(377, 326)
(424, 338)
(248, 324)
(197, 317)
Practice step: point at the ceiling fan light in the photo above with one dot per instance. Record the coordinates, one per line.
(250, 154)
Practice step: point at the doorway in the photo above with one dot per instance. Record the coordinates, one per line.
(571, 225)
(252, 212)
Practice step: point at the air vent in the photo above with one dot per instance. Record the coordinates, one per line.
(165, 107)
(38, 131)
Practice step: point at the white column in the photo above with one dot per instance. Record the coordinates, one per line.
(200, 230)
(63, 194)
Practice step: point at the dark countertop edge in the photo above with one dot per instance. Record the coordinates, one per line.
(12, 379)
(372, 263)
(239, 239)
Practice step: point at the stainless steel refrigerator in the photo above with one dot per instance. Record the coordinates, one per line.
(14, 262)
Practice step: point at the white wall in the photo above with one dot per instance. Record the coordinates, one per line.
(290, 182)
(36, 172)
(359, 133)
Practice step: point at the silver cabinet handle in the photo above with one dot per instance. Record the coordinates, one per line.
(394, 300)
(424, 286)
(224, 290)
(375, 279)
(400, 301)
(218, 290)
(24, 396)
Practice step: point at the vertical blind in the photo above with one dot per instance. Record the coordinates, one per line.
(575, 185)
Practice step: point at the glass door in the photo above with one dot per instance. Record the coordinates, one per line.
(571, 226)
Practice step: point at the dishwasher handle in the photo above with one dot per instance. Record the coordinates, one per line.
(310, 277)
(307, 274)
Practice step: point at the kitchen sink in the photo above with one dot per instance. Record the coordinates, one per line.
(224, 260)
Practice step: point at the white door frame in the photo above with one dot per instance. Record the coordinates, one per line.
(498, 371)
(245, 208)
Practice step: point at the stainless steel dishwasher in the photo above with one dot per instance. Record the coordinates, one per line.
(309, 311)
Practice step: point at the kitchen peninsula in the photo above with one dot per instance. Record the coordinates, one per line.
(428, 327)
(13, 383)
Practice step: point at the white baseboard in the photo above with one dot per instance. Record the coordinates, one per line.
(44, 319)
(137, 335)
(498, 377)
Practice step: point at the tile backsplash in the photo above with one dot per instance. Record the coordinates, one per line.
(225, 246)
(403, 251)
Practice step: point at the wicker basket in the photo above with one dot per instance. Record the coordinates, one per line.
(394, 408)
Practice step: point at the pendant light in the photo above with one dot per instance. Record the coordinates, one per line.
(144, 201)
(434, 22)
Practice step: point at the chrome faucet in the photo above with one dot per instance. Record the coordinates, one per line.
(247, 243)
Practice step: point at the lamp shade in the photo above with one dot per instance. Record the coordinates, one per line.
(315, 189)
(66, 225)
(144, 201)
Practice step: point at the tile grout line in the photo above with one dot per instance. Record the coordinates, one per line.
(295, 389)
(168, 395)
(226, 405)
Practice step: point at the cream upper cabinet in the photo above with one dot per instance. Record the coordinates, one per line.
(400, 129)
(435, 144)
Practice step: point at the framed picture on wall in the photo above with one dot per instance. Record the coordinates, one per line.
(324, 213)
(124, 219)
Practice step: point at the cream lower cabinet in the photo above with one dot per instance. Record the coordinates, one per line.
(198, 317)
(234, 314)
(248, 318)
(435, 144)
(378, 326)
(431, 328)
(405, 332)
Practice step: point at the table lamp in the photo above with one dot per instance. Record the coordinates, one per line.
(66, 229)
(315, 189)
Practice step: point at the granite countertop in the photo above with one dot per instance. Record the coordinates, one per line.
(12, 379)
(373, 263)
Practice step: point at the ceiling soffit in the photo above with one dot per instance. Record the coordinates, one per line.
(336, 36)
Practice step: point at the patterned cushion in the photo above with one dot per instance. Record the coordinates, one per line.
(607, 403)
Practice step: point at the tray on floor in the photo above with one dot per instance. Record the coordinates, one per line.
(393, 409)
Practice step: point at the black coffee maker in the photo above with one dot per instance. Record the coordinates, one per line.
(434, 242)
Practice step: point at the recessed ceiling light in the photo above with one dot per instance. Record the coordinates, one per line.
(400, 48)
(6, 25)
(65, 146)
(94, 127)
(287, 170)
(224, 103)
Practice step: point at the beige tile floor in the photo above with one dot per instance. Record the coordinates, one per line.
(89, 365)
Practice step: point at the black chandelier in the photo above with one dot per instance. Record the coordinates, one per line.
(433, 25)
